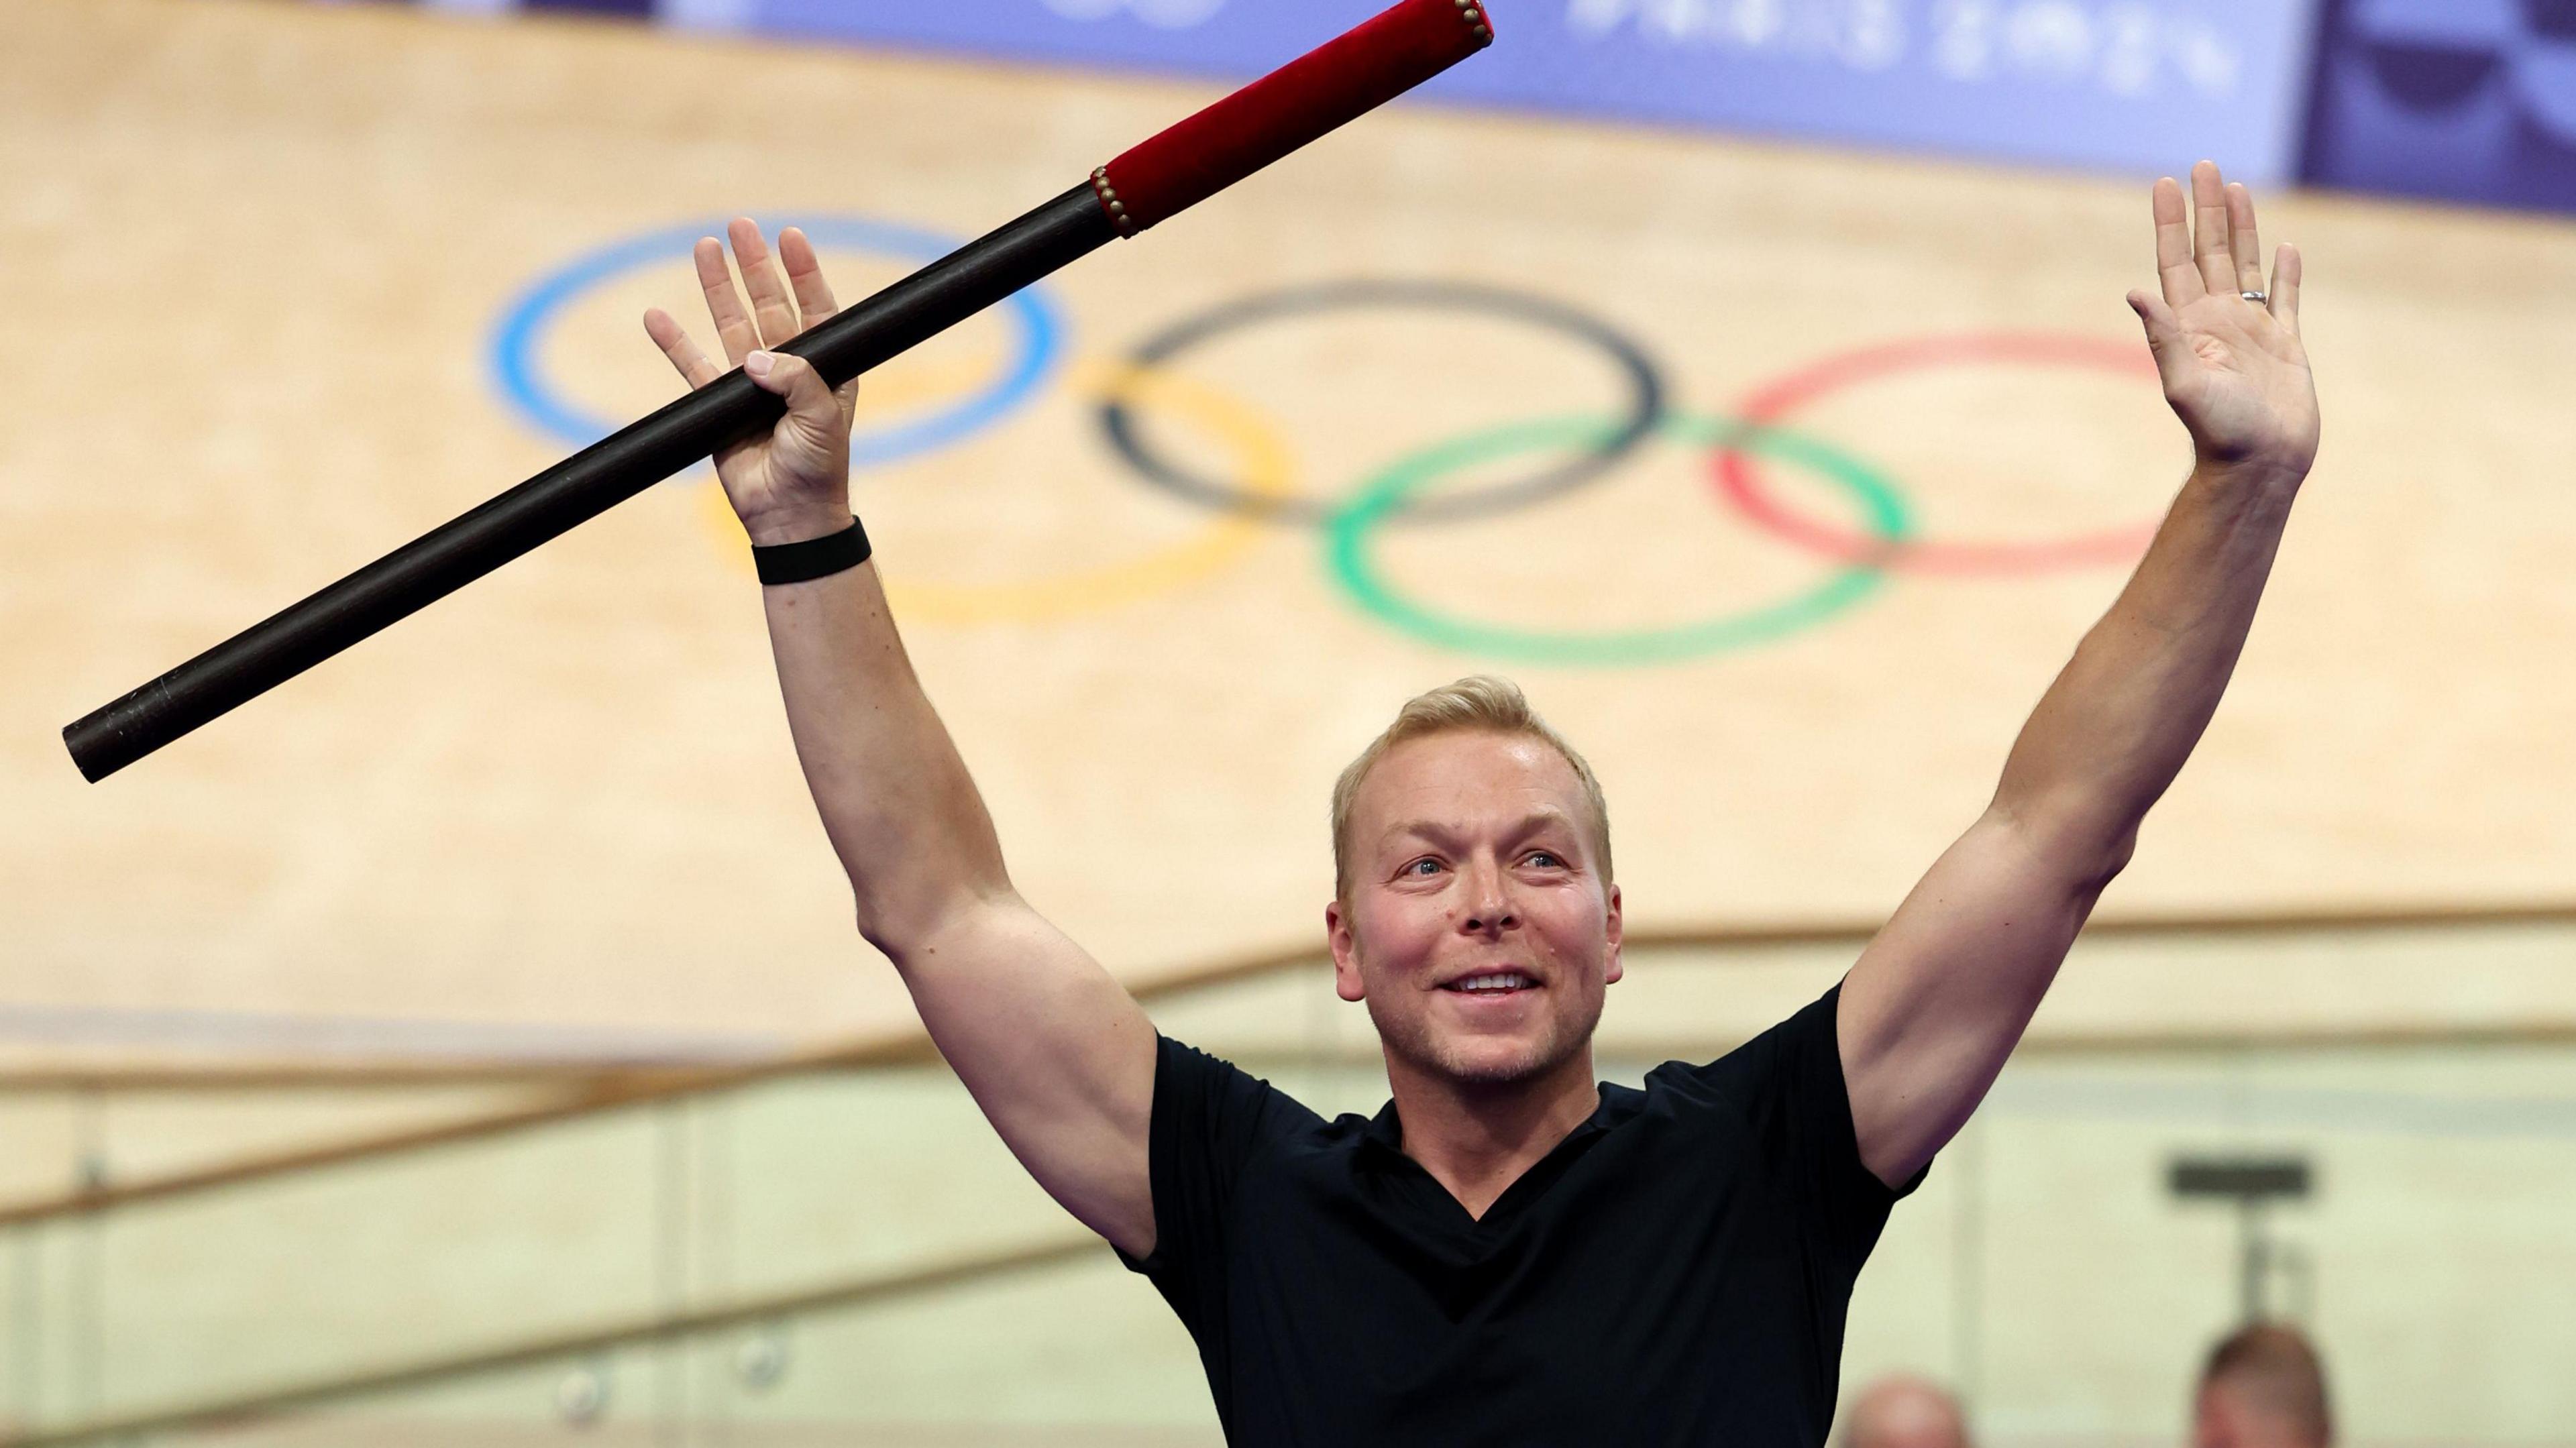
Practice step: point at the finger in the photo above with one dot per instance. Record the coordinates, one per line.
(2209, 210)
(805, 274)
(2164, 329)
(2245, 241)
(667, 334)
(734, 330)
(2286, 270)
(2174, 266)
(769, 304)
(809, 403)
(814, 301)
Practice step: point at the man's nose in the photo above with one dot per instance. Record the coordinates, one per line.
(1489, 910)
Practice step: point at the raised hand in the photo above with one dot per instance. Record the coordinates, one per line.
(795, 483)
(2234, 369)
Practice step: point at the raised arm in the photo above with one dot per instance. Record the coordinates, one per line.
(1942, 995)
(1058, 1055)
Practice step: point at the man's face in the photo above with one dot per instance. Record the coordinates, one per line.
(1469, 860)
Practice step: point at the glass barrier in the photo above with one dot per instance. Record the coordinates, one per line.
(853, 1257)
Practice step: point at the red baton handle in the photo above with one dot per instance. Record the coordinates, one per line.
(1337, 82)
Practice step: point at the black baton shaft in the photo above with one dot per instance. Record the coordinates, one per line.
(581, 487)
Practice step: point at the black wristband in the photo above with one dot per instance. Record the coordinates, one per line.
(814, 558)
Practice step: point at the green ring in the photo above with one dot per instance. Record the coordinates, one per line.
(1351, 528)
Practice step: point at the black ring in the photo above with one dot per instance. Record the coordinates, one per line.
(1645, 409)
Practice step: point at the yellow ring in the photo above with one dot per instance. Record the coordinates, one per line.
(907, 386)
(1268, 469)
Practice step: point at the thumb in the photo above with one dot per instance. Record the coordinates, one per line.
(808, 400)
(2163, 327)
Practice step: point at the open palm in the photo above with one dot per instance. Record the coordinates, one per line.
(2226, 345)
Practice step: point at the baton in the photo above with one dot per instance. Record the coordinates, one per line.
(1337, 82)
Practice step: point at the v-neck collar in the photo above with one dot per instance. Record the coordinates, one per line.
(1384, 1135)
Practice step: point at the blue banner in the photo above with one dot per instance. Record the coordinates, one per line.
(2469, 99)
(2125, 85)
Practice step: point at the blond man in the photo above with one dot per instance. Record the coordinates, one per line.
(1511, 1252)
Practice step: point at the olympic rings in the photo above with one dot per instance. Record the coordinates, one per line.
(1645, 381)
(1887, 518)
(1740, 484)
(1261, 489)
(1268, 466)
(513, 352)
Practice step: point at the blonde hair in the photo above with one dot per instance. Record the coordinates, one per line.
(1481, 704)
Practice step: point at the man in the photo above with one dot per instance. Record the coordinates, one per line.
(2263, 1387)
(1509, 1254)
(1902, 1411)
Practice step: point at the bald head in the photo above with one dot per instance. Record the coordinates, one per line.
(1905, 1412)
(2263, 1387)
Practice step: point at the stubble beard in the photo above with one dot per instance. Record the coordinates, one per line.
(1414, 1041)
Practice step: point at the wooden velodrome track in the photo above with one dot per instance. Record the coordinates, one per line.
(262, 260)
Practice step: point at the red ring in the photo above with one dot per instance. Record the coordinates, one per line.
(1741, 486)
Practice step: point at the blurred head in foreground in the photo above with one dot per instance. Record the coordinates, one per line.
(1905, 1412)
(2263, 1387)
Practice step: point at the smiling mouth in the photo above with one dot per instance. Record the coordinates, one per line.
(1496, 985)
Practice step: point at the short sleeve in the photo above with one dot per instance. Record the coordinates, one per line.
(1789, 1084)
(1211, 1119)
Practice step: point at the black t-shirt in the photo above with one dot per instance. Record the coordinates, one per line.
(1674, 1273)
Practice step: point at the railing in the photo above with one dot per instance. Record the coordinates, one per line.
(572, 1345)
(601, 1092)
(659, 1219)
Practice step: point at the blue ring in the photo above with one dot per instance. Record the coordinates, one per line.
(514, 342)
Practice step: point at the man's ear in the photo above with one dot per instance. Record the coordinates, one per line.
(1614, 929)
(1346, 952)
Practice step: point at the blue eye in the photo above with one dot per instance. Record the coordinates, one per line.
(1545, 858)
(1426, 863)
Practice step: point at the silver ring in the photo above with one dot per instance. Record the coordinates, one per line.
(2259, 299)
